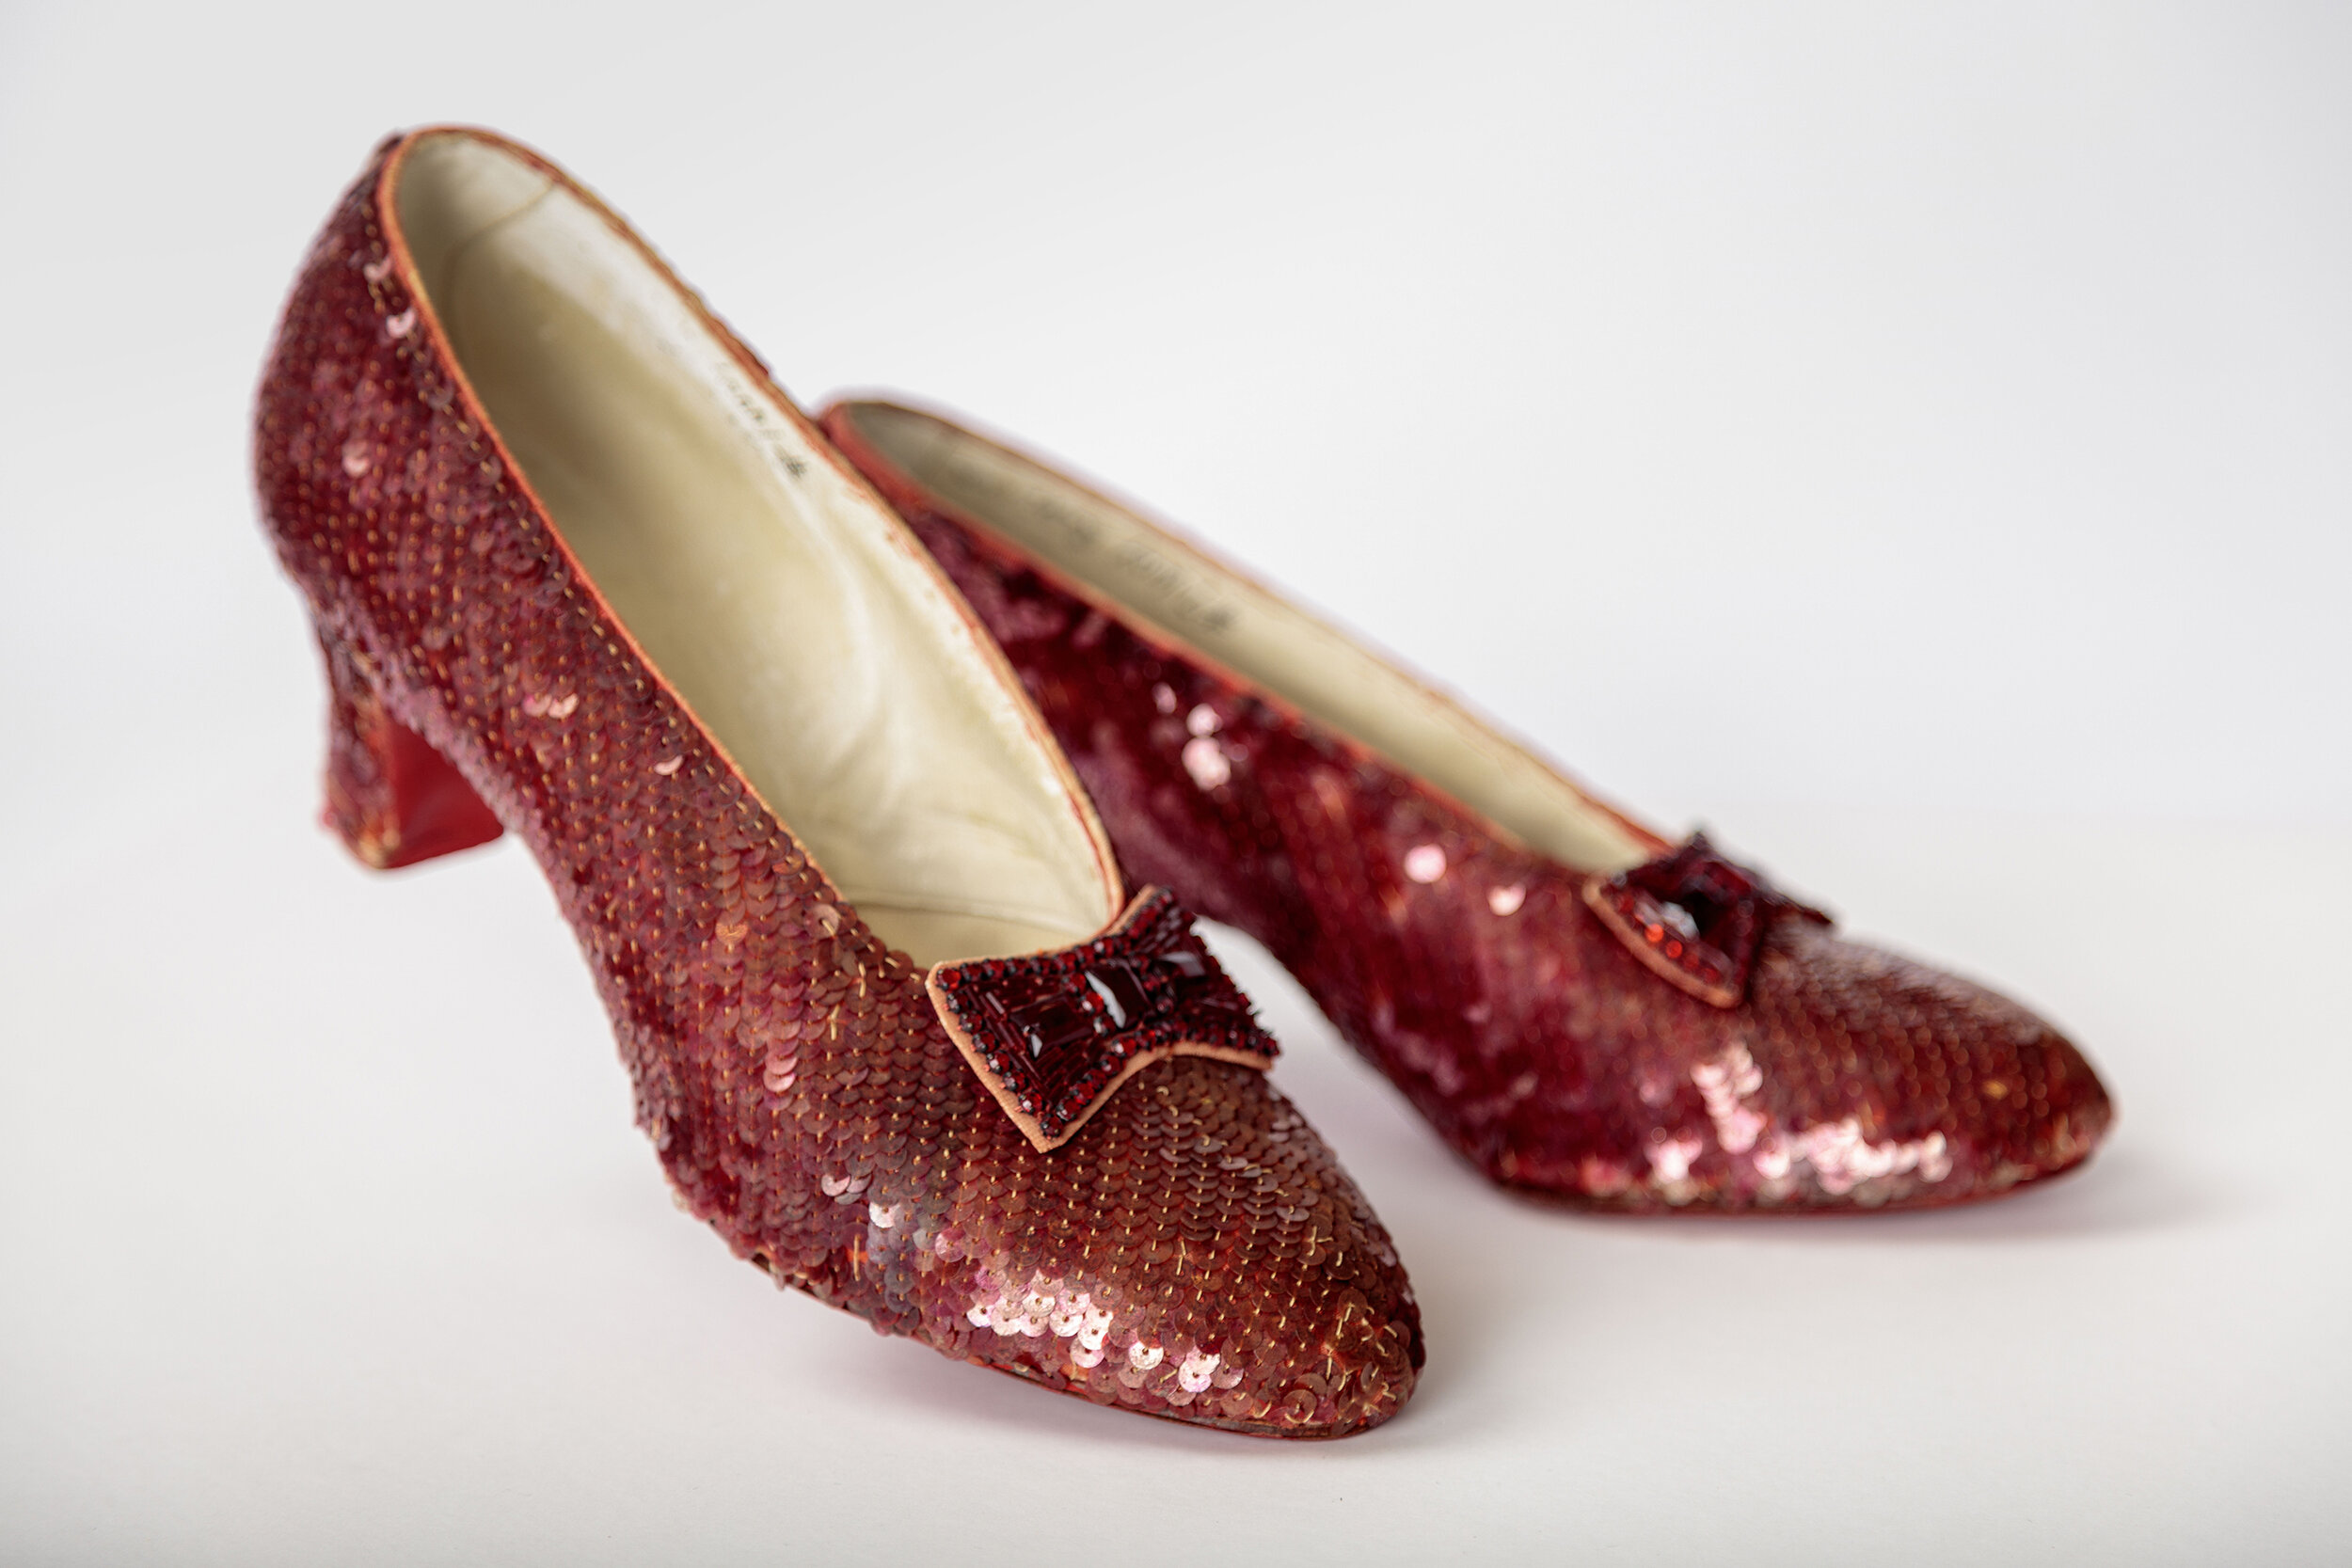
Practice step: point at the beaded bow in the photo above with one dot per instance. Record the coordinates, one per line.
(1695, 918)
(1053, 1034)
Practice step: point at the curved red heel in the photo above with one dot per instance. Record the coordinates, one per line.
(390, 797)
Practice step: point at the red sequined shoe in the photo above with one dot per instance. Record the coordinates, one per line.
(897, 1031)
(1583, 1008)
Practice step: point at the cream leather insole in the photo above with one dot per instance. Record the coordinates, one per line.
(1191, 599)
(782, 603)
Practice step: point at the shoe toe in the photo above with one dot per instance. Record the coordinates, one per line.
(1195, 1253)
(1888, 1082)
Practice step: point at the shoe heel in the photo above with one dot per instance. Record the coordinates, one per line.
(390, 797)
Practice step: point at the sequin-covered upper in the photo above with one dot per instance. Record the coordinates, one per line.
(1194, 1251)
(1521, 1003)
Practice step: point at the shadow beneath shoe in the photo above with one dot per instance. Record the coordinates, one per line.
(1524, 1303)
(2131, 1191)
(908, 1379)
(1524, 1300)
(1535, 1310)
(2122, 1192)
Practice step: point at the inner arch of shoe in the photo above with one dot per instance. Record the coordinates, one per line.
(795, 615)
(1186, 598)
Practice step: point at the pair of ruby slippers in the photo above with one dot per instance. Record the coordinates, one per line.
(876, 769)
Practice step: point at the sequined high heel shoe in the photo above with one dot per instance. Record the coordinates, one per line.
(1581, 1007)
(898, 1030)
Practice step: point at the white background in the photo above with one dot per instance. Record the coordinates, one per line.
(1911, 440)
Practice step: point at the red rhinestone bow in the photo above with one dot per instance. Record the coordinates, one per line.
(1695, 917)
(1053, 1034)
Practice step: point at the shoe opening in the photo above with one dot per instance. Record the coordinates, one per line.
(791, 611)
(1187, 599)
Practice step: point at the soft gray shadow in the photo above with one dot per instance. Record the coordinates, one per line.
(1484, 1279)
(913, 1378)
(2134, 1190)
(1486, 1266)
(2127, 1191)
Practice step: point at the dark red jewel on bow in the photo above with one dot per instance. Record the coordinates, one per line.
(1052, 1034)
(1695, 917)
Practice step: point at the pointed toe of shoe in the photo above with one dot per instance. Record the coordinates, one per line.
(1885, 1083)
(1196, 1253)
(2027, 1105)
(1847, 1079)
